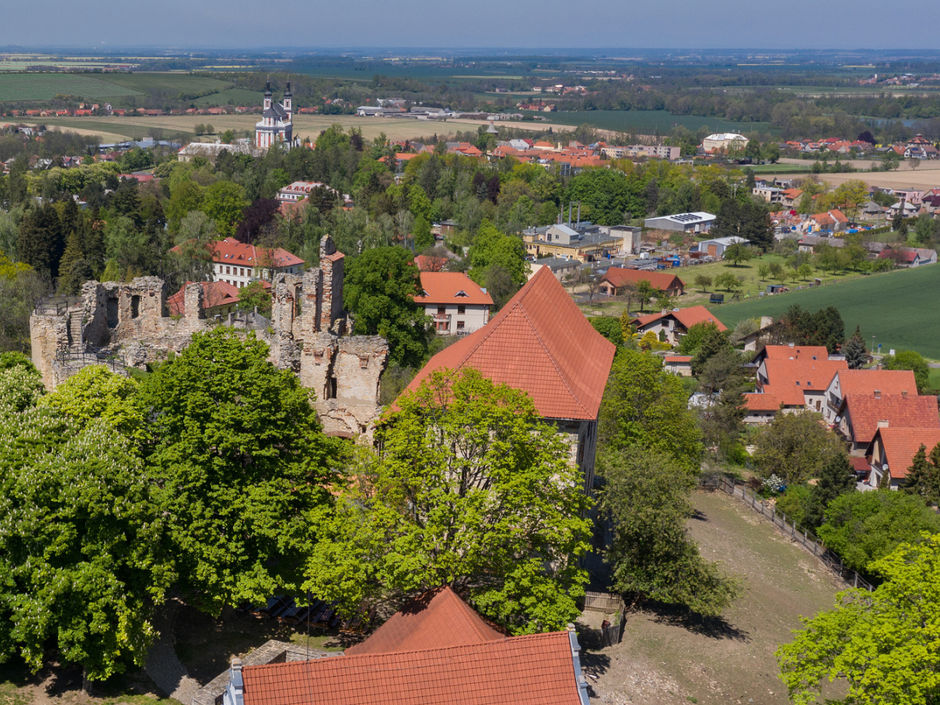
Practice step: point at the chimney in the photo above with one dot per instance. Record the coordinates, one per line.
(883, 423)
(235, 693)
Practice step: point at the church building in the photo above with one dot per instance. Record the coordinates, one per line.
(275, 125)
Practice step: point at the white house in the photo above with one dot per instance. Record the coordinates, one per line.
(240, 264)
(456, 303)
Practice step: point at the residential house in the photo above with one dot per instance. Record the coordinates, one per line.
(892, 451)
(562, 268)
(299, 190)
(790, 196)
(618, 279)
(218, 299)
(833, 221)
(541, 343)
(672, 325)
(581, 241)
(862, 414)
(793, 379)
(240, 264)
(809, 243)
(698, 222)
(909, 256)
(455, 302)
(435, 651)
(865, 382)
(680, 365)
(724, 142)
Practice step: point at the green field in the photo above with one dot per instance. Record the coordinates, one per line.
(652, 121)
(38, 87)
(899, 308)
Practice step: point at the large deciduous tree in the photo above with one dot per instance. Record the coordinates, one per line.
(379, 289)
(646, 497)
(645, 407)
(469, 488)
(795, 447)
(882, 643)
(241, 462)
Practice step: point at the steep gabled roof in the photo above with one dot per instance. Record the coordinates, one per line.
(688, 317)
(525, 670)
(789, 379)
(451, 288)
(213, 294)
(794, 352)
(437, 620)
(542, 344)
(866, 412)
(901, 444)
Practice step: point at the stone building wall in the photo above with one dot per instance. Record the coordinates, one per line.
(127, 325)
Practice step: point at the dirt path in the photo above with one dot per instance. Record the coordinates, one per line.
(664, 662)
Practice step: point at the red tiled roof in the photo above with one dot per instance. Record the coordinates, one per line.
(437, 620)
(688, 317)
(755, 401)
(860, 463)
(870, 381)
(231, 251)
(901, 444)
(213, 294)
(795, 352)
(789, 379)
(541, 343)
(525, 670)
(866, 411)
(618, 276)
(447, 287)
(678, 358)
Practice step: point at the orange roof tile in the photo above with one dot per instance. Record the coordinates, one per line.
(901, 444)
(870, 381)
(525, 670)
(789, 379)
(795, 352)
(231, 251)
(437, 620)
(451, 288)
(866, 413)
(678, 358)
(427, 263)
(619, 276)
(755, 401)
(688, 317)
(541, 343)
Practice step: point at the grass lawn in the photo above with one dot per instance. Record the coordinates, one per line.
(664, 660)
(899, 307)
(45, 86)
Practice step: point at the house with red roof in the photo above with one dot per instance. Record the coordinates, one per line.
(791, 378)
(218, 299)
(542, 344)
(617, 279)
(672, 325)
(434, 652)
(834, 221)
(862, 415)
(240, 264)
(456, 303)
(680, 365)
(892, 451)
(865, 382)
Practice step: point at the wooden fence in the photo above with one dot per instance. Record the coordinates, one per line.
(788, 527)
(611, 606)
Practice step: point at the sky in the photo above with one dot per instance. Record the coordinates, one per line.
(315, 24)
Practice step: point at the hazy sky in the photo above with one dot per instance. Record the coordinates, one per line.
(822, 24)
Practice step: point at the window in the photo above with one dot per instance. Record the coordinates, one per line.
(461, 309)
(459, 325)
(135, 306)
(441, 311)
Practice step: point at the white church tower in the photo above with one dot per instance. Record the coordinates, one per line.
(276, 125)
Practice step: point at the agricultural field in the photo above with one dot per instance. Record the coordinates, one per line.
(898, 308)
(653, 121)
(304, 125)
(39, 87)
(665, 660)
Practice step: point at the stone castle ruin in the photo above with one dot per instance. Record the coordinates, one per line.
(124, 325)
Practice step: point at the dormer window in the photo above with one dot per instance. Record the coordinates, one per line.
(461, 293)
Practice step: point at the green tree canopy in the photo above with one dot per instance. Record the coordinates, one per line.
(646, 407)
(379, 289)
(83, 556)
(469, 489)
(240, 462)
(795, 447)
(224, 202)
(646, 497)
(883, 643)
(863, 527)
(911, 360)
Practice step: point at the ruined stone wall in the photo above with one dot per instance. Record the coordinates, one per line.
(128, 325)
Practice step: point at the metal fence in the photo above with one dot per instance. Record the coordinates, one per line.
(83, 359)
(56, 305)
(784, 524)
